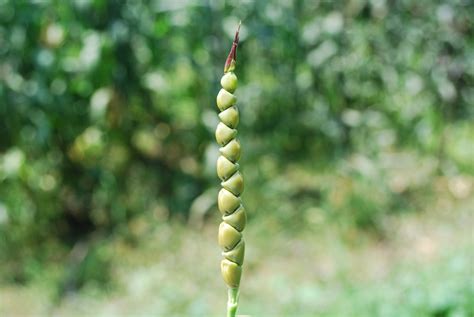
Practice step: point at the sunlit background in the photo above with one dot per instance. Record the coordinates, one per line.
(357, 133)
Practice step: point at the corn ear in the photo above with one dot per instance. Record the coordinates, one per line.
(228, 200)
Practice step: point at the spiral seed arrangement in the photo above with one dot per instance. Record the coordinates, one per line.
(229, 201)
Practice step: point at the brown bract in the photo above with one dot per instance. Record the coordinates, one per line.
(232, 57)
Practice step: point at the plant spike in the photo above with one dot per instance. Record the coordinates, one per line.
(229, 201)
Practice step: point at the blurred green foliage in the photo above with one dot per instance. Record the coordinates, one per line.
(108, 110)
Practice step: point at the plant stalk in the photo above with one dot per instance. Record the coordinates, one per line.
(232, 302)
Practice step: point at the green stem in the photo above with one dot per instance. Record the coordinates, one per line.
(233, 301)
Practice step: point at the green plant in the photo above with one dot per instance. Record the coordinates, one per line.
(229, 201)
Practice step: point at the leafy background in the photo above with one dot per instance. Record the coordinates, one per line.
(356, 125)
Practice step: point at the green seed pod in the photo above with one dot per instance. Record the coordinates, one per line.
(228, 236)
(231, 150)
(224, 134)
(228, 200)
(225, 99)
(230, 117)
(225, 168)
(231, 272)
(237, 254)
(235, 184)
(229, 82)
(237, 219)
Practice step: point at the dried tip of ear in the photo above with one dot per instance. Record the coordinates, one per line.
(232, 57)
(236, 37)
